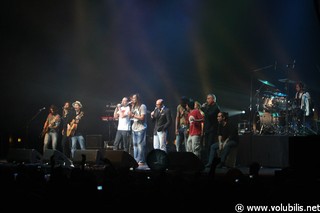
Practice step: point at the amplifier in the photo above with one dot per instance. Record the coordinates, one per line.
(94, 142)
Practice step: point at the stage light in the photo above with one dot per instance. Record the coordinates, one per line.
(234, 112)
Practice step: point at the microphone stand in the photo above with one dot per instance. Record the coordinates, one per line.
(287, 92)
(28, 124)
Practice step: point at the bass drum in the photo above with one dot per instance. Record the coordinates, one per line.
(278, 119)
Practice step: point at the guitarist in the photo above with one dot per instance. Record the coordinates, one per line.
(51, 128)
(76, 128)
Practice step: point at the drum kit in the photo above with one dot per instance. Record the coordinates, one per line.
(274, 111)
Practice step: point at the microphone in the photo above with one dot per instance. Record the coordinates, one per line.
(155, 109)
(204, 104)
(275, 65)
(43, 108)
(294, 63)
(130, 102)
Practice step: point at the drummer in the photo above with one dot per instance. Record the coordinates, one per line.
(303, 109)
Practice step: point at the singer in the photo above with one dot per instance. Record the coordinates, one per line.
(161, 116)
(122, 114)
(51, 128)
(210, 110)
(195, 118)
(181, 125)
(139, 129)
(77, 128)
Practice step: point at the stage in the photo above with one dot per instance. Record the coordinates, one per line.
(284, 176)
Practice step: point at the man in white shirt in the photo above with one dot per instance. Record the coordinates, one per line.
(122, 114)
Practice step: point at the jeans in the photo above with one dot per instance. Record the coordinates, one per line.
(224, 152)
(74, 140)
(121, 136)
(50, 137)
(181, 139)
(139, 145)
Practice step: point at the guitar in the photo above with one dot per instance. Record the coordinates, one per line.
(72, 127)
(46, 128)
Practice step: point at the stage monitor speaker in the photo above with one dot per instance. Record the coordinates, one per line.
(91, 156)
(184, 161)
(120, 159)
(24, 156)
(94, 142)
(157, 160)
(58, 157)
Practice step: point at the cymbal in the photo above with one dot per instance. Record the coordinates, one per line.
(279, 94)
(274, 93)
(266, 83)
(286, 80)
